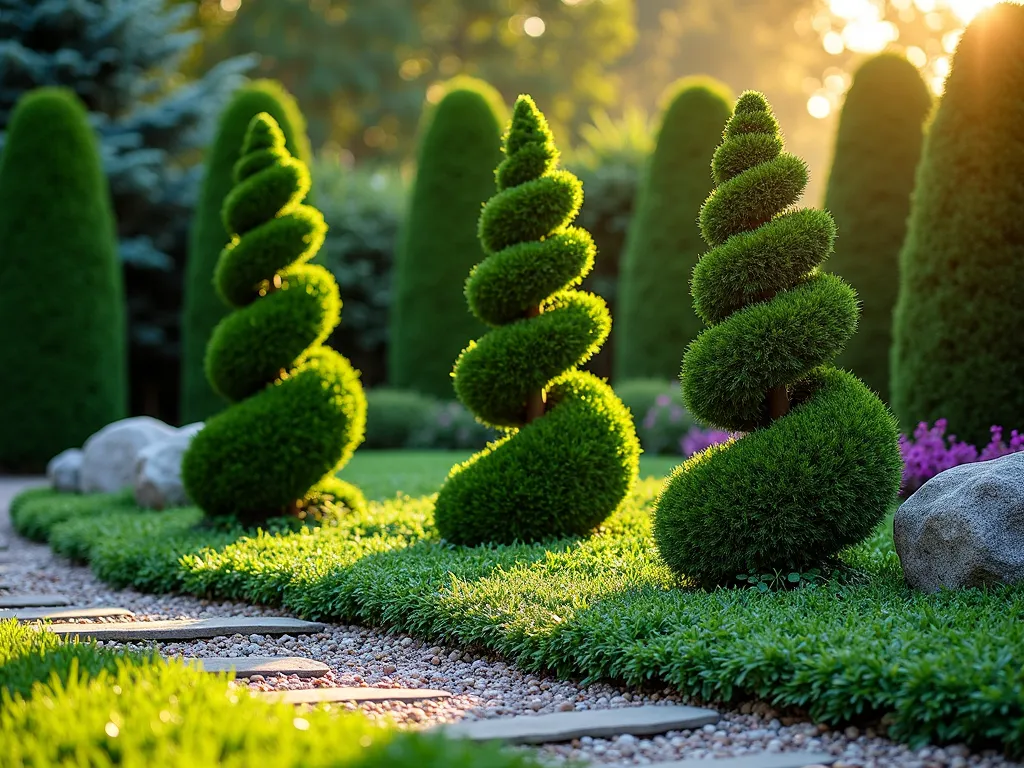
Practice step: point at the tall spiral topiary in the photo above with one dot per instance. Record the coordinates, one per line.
(204, 308)
(571, 455)
(957, 352)
(429, 325)
(820, 463)
(299, 408)
(877, 149)
(62, 308)
(664, 243)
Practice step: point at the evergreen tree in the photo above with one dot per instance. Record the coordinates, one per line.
(877, 149)
(299, 409)
(571, 455)
(664, 240)
(821, 464)
(203, 307)
(122, 59)
(62, 323)
(438, 246)
(957, 353)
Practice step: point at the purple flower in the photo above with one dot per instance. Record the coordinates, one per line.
(930, 452)
(663, 401)
(697, 440)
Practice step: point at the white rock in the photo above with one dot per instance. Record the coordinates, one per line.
(158, 471)
(964, 527)
(110, 456)
(64, 470)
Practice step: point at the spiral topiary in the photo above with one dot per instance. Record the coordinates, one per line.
(820, 464)
(299, 408)
(571, 454)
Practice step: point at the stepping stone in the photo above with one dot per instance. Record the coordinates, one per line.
(566, 726)
(247, 666)
(764, 760)
(32, 601)
(53, 614)
(189, 629)
(355, 695)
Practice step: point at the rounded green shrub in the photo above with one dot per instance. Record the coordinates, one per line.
(203, 308)
(956, 350)
(394, 416)
(571, 454)
(459, 148)
(877, 149)
(664, 241)
(299, 408)
(62, 304)
(820, 463)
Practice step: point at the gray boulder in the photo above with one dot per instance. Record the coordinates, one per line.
(965, 527)
(64, 469)
(158, 471)
(110, 455)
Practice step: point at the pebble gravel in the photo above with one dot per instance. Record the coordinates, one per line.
(482, 686)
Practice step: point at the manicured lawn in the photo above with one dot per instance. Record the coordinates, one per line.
(382, 474)
(944, 668)
(77, 704)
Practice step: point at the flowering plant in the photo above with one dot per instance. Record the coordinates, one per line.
(930, 451)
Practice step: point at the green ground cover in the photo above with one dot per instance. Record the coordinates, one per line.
(80, 705)
(939, 668)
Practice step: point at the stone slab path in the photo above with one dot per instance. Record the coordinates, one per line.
(30, 600)
(484, 688)
(247, 666)
(58, 614)
(189, 629)
(353, 695)
(566, 726)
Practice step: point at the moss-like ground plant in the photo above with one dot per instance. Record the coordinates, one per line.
(204, 307)
(459, 147)
(299, 408)
(62, 308)
(664, 241)
(571, 455)
(819, 464)
(877, 149)
(957, 351)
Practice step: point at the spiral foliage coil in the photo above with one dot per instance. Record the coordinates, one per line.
(571, 453)
(820, 464)
(299, 408)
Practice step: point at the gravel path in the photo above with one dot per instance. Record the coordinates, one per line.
(483, 686)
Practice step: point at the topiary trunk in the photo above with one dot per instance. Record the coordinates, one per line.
(821, 463)
(203, 307)
(664, 241)
(299, 409)
(62, 305)
(438, 246)
(877, 149)
(572, 454)
(957, 351)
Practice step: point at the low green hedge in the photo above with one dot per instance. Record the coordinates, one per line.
(945, 668)
(80, 705)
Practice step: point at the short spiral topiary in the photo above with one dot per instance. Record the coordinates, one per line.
(571, 455)
(299, 408)
(820, 464)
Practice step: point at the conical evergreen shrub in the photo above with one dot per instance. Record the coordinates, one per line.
(664, 243)
(203, 307)
(62, 307)
(459, 147)
(957, 349)
(876, 154)
(571, 455)
(820, 463)
(299, 408)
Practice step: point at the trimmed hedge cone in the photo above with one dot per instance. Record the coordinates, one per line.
(571, 453)
(820, 463)
(62, 307)
(300, 411)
